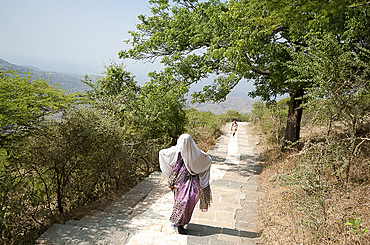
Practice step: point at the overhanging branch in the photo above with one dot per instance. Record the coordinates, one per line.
(261, 72)
(357, 5)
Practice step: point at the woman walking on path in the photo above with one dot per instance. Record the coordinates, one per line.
(234, 128)
(188, 170)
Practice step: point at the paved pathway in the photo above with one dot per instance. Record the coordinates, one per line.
(141, 216)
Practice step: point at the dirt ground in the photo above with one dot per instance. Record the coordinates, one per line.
(289, 214)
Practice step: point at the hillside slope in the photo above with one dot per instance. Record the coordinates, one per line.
(68, 82)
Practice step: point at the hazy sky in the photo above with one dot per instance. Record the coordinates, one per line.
(73, 36)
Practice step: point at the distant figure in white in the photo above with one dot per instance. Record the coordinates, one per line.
(234, 128)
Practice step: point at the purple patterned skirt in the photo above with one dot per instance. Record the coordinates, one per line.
(187, 192)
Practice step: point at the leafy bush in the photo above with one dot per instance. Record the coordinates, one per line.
(151, 111)
(271, 118)
(204, 127)
(232, 115)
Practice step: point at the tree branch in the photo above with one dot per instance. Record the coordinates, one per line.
(261, 72)
(357, 5)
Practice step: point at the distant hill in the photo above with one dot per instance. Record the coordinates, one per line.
(68, 82)
(240, 104)
(237, 100)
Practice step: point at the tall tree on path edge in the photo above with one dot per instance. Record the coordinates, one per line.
(240, 40)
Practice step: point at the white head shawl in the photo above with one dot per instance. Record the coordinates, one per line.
(195, 160)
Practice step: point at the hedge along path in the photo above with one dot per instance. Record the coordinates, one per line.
(141, 216)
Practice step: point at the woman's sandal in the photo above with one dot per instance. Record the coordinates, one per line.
(181, 230)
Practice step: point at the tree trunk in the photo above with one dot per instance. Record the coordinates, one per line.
(59, 196)
(293, 125)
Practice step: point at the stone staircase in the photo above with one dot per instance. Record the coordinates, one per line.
(114, 224)
(141, 216)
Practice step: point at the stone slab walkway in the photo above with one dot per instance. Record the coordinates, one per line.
(141, 215)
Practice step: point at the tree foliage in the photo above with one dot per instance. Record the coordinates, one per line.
(25, 102)
(68, 163)
(151, 111)
(257, 40)
(84, 154)
(341, 79)
(271, 117)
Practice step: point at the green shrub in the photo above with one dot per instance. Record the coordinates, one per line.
(232, 115)
(271, 119)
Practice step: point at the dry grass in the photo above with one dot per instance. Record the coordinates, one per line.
(305, 203)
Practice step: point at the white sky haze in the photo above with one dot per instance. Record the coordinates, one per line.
(72, 36)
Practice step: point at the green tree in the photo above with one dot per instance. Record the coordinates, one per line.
(151, 111)
(25, 102)
(258, 110)
(80, 157)
(341, 78)
(202, 119)
(237, 40)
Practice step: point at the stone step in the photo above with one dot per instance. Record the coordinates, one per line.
(108, 226)
(104, 238)
(154, 237)
(101, 234)
(96, 217)
(107, 231)
(79, 223)
(58, 234)
(233, 158)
